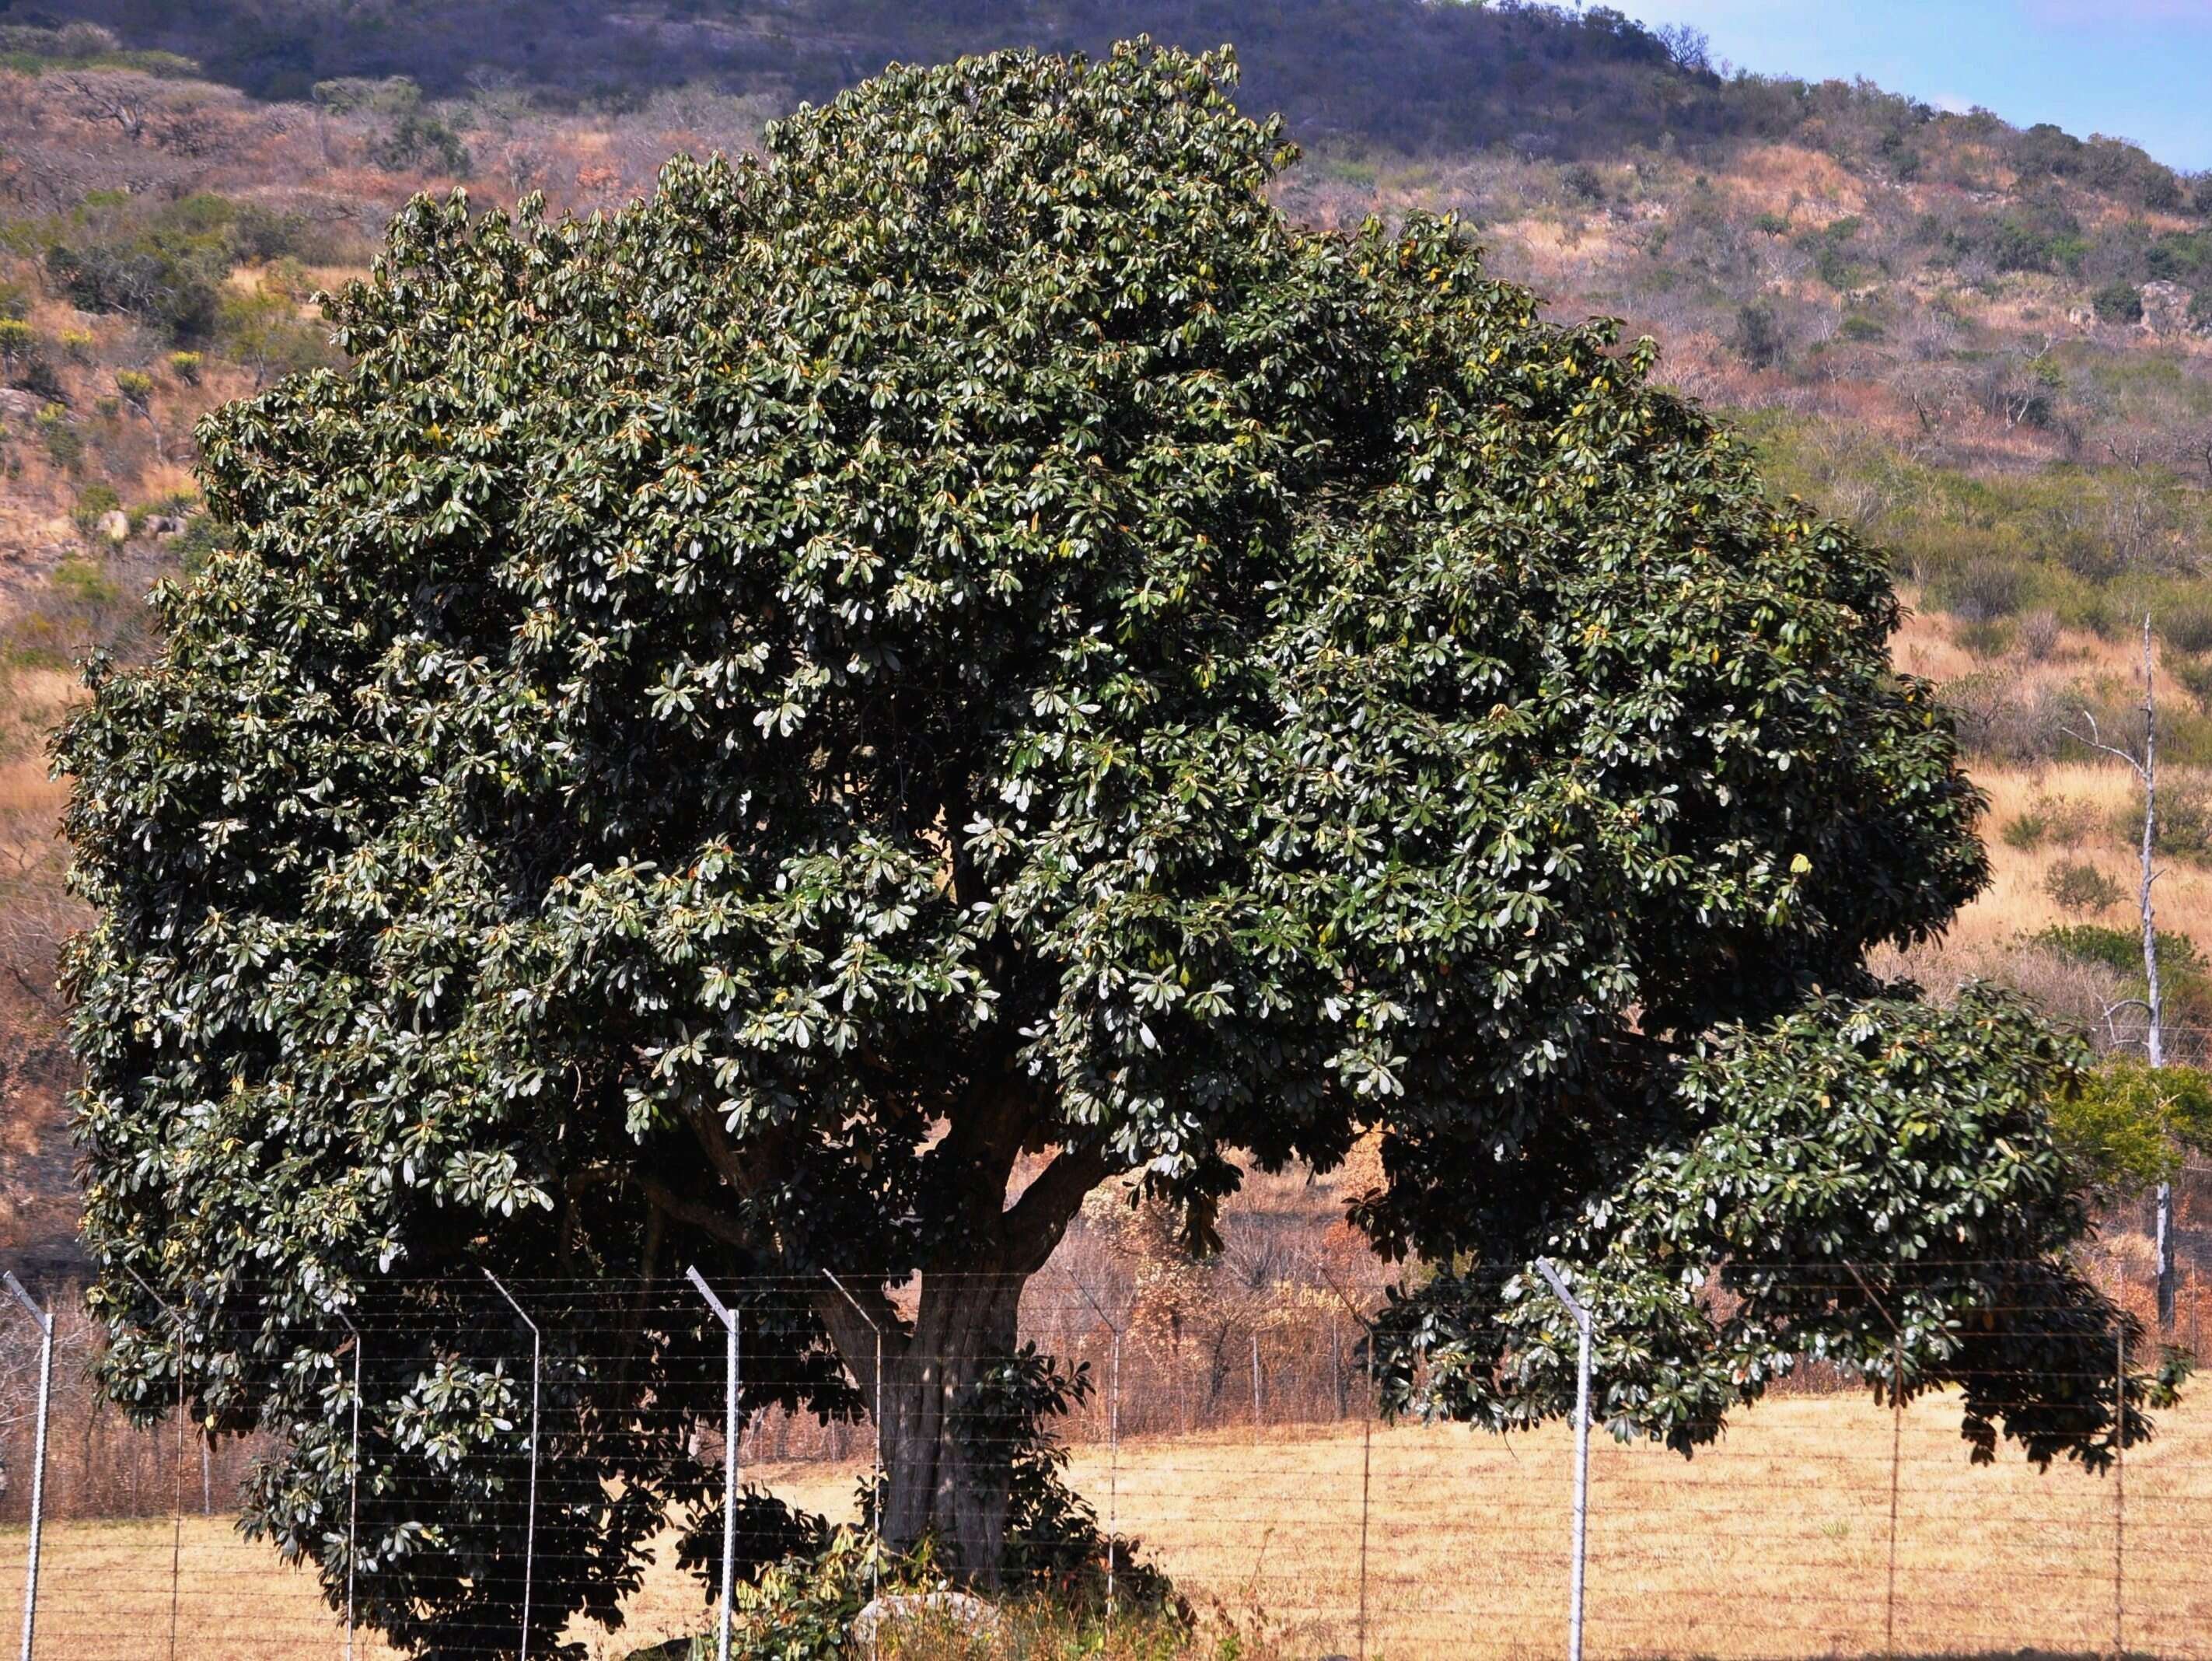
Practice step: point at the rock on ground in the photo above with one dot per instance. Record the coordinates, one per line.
(957, 1607)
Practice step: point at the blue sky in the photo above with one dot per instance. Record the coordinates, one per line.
(2135, 68)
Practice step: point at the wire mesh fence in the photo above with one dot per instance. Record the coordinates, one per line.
(1243, 1457)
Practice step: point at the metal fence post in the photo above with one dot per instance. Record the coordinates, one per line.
(1255, 1387)
(2162, 1252)
(177, 1506)
(1896, 1451)
(1367, 1475)
(1113, 1441)
(1335, 1370)
(2119, 1485)
(45, 1319)
(1582, 1317)
(875, 1467)
(1366, 1443)
(530, 1521)
(728, 1317)
(1896, 1475)
(1113, 1468)
(353, 1483)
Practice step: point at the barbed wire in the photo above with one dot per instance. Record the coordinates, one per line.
(1249, 1466)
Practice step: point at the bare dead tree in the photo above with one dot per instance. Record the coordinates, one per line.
(103, 98)
(525, 164)
(139, 400)
(2135, 447)
(2020, 386)
(2145, 766)
(2192, 448)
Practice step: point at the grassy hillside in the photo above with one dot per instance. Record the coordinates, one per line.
(1985, 346)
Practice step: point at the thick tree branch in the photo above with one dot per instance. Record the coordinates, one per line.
(718, 1223)
(1036, 1221)
(855, 1331)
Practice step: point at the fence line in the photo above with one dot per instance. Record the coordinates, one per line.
(1836, 1519)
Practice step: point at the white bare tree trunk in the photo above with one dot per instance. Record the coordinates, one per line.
(2155, 1038)
(2146, 768)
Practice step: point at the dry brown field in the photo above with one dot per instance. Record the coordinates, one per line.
(1775, 1543)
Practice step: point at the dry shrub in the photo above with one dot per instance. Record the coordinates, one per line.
(2184, 820)
(2090, 998)
(2065, 821)
(1998, 719)
(2038, 635)
(2077, 887)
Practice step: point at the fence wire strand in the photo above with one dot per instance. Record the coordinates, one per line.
(1237, 1449)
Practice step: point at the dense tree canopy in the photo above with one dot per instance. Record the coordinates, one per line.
(969, 645)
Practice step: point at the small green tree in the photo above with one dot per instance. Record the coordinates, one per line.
(419, 139)
(2077, 886)
(970, 646)
(2118, 301)
(2129, 1126)
(1760, 338)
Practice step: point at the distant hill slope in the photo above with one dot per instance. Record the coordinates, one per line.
(1407, 72)
(1416, 74)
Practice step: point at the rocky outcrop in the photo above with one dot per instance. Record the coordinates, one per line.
(2165, 311)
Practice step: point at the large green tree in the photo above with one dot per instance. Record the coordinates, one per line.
(809, 722)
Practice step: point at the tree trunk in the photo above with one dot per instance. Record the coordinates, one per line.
(944, 1455)
(947, 1439)
(2154, 1037)
(2146, 770)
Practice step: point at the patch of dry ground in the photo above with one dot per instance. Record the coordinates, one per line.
(1775, 1543)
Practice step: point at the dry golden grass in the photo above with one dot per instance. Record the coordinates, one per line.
(27, 786)
(1985, 940)
(2106, 795)
(2028, 301)
(1790, 179)
(164, 479)
(2104, 792)
(1926, 645)
(1922, 646)
(1775, 1543)
(1547, 240)
(104, 1592)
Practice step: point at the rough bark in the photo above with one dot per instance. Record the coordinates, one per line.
(945, 1456)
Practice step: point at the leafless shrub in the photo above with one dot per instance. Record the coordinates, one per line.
(1997, 721)
(1931, 336)
(2079, 995)
(2038, 635)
